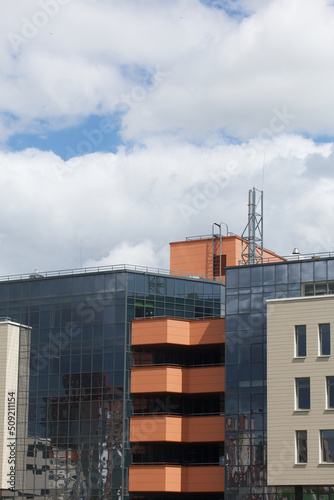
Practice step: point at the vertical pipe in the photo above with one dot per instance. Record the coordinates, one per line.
(220, 251)
(213, 251)
(251, 226)
(261, 227)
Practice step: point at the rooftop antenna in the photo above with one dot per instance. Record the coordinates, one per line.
(252, 236)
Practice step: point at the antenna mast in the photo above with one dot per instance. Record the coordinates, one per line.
(252, 237)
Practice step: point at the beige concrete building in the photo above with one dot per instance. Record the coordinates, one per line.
(300, 357)
(10, 334)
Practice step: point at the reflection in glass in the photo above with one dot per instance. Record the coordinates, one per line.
(269, 275)
(325, 339)
(307, 271)
(244, 277)
(330, 392)
(320, 270)
(303, 400)
(301, 438)
(327, 445)
(281, 273)
(300, 333)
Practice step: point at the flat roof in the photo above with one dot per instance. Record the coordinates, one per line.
(290, 259)
(119, 268)
(308, 297)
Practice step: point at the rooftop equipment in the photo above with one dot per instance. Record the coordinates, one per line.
(252, 236)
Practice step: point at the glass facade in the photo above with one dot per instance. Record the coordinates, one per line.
(247, 289)
(73, 392)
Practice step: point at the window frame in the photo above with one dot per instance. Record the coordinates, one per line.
(298, 387)
(299, 335)
(322, 459)
(219, 263)
(298, 448)
(328, 398)
(321, 342)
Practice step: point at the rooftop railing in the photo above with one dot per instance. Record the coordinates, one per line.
(98, 269)
(157, 271)
(292, 258)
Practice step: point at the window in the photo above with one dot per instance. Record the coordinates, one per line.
(303, 399)
(319, 288)
(330, 392)
(324, 339)
(327, 446)
(219, 264)
(300, 338)
(301, 442)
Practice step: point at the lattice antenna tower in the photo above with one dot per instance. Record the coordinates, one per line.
(252, 237)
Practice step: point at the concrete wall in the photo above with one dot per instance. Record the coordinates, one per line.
(9, 359)
(283, 368)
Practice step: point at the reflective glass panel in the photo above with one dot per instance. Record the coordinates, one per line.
(300, 332)
(330, 392)
(327, 445)
(303, 399)
(301, 438)
(324, 339)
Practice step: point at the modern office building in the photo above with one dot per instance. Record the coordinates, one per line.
(300, 391)
(278, 439)
(73, 417)
(121, 390)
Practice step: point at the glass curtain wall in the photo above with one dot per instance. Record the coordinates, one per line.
(247, 289)
(73, 403)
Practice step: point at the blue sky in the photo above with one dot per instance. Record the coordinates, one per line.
(93, 134)
(232, 7)
(126, 125)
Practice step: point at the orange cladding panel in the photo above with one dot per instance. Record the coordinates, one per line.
(194, 257)
(159, 331)
(154, 428)
(204, 380)
(207, 479)
(164, 478)
(231, 247)
(145, 331)
(191, 257)
(154, 478)
(203, 429)
(177, 331)
(173, 479)
(207, 331)
(177, 380)
(156, 379)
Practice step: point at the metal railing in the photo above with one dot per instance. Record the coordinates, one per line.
(118, 267)
(294, 257)
(157, 271)
(177, 365)
(207, 236)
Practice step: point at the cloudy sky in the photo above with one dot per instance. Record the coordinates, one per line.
(126, 124)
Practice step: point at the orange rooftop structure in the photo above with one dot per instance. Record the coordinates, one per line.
(207, 256)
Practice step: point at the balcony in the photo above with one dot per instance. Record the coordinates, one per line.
(176, 479)
(177, 331)
(177, 429)
(160, 379)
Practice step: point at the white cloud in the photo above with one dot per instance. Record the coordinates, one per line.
(144, 254)
(279, 57)
(187, 77)
(101, 207)
(218, 73)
